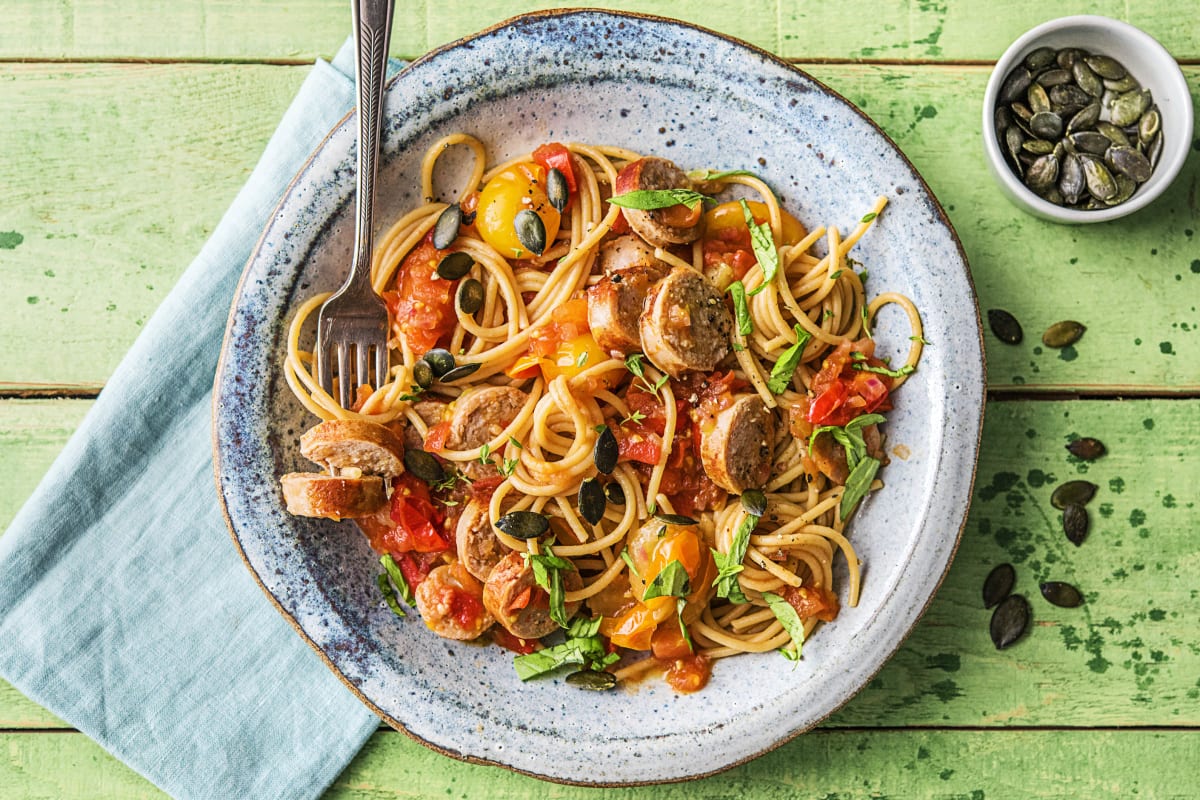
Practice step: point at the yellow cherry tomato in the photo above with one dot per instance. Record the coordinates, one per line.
(521, 187)
(730, 215)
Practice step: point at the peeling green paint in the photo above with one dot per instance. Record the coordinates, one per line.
(1116, 485)
(1148, 424)
(10, 239)
(1068, 353)
(1166, 349)
(950, 662)
(1137, 518)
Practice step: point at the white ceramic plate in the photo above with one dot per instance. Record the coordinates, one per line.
(658, 87)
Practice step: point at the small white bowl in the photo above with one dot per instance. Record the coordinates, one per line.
(1146, 60)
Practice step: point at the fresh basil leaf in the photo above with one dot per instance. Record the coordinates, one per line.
(671, 582)
(850, 437)
(857, 485)
(729, 565)
(547, 573)
(863, 420)
(709, 175)
(737, 290)
(788, 618)
(866, 327)
(763, 244)
(907, 369)
(650, 199)
(549, 659)
(386, 588)
(628, 559)
(680, 605)
(393, 571)
(582, 627)
(868, 217)
(785, 367)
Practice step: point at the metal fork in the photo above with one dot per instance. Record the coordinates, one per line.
(353, 324)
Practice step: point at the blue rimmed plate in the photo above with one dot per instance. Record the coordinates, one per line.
(659, 87)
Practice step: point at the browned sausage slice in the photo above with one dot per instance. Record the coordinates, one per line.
(737, 455)
(446, 599)
(627, 252)
(656, 226)
(317, 494)
(432, 412)
(479, 416)
(615, 307)
(685, 325)
(513, 597)
(479, 549)
(830, 458)
(344, 443)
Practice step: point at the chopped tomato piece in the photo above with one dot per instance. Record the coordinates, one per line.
(813, 602)
(502, 637)
(417, 520)
(435, 437)
(521, 600)
(422, 306)
(563, 346)
(682, 215)
(557, 156)
(689, 674)
(634, 443)
(466, 608)
(416, 566)
(842, 392)
(668, 642)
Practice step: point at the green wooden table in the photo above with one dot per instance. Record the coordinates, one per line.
(128, 127)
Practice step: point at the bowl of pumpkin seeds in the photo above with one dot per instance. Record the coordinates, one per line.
(1086, 119)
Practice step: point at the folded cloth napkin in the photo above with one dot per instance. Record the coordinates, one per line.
(124, 607)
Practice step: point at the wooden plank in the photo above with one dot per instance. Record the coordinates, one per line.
(299, 30)
(99, 231)
(1129, 656)
(846, 765)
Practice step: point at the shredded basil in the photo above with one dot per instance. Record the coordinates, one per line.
(708, 175)
(386, 588)
(868, 217)
(891, 373)
(650, 199)
(393, 571)
(857, 485)
(781, 373)
(729, 565)
(680, 605)
(833, 276)
(671, 582)
(789, 619)
(866, 327)
(547, 573)
(583, 647)
(737, 290)
(849, 437)
(763, 244)
(628, 559)
(920, 339)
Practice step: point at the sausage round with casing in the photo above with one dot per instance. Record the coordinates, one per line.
(738, 453)
(628, 251)
(655, 225)
(479, 416)
(357, 443)
(615, 306)
(318, 494)
(685, 325)
(479, 549)
(513, 597)
(449, 602)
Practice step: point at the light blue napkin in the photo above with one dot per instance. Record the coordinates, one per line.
(124, 607)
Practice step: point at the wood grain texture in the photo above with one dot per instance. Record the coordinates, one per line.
(137, 164)
(1129, 657)
(300, 30)
(835, 765)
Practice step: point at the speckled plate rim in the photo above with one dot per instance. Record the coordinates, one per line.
(980, 376)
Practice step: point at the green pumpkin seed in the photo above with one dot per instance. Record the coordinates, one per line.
(1073, 492)
(1069, 96)
(1054, 77)
(460, 372)
(1022, 111)
(1013, 140)
(615, 494)
(1090, 142)
(1128, 107)
(1149, 126)
(755, 502)
(1040, 58)
(1009, 621)
(422, 374)
(606, 452)
(445, 230)
(557, 189)
(597, 681)
(531, 231)
(1154, 149)
(1121, 85)
(1086, 79)
(1039, 101)
(1130, 162)
(1112, 133)
(424, 465)
(1061, 594)
(1075, 523)
(1002, 119)
(1087, 448)
(1053, 195)
(1070, 179)
(1100, 181)
(455, 265)
(470, 296)
(998, 584)
(1015, 84)
(1085, 118)
(591, 501)
(1005, 326)
(1046, 125)
(1126, 186)
(1067, 57)
(441, 361)
(1061, 334)
(1042, 173)
(674, 519)
(1106, 67)
(523, 524)
(1038, 147)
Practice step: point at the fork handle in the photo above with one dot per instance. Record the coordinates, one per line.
(372, 33)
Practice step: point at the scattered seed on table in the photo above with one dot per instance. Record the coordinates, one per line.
(1077, 492)
(1005, 326)
(1061, 594)
(1009, 621)
(1075, 523)
(998, 584)
(1061, 334)
(1087, 448)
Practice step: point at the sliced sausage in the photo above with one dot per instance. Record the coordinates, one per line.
(344, 443)
(661, 227)
(628, 251)
(737, 455)
(513, 597)
(450, 602)
(479, 549)
(685, 325)
(431, 412)
(317, 494)
(830, 457)
(615, 306)
(479, 417)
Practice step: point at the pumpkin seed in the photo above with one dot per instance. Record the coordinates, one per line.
(1042, 173)
(595, 680)
(460, 372)
(1061, 594)
(1112, 133)
(616, 495)
(1005, 326)
(1046, 125)
(1022, 111)
(1130, 162)
(606, 452)
(1100, 181)
(1009, 621)
(445, 230)
(1121, 85)
(1053, 195)
(1069, 96)
(1085, 118)
(422, 374)
(591, 501)
(557, 189)
(1061, 334)
(424, 465)
(1039, 101)
(1073, 492)
(1149, 125)
(1070, 179)
(1075, 523)
(1013, 139)
(1106, 67)
(1015, 84)
(1054, 77)
(1087, 448)
(1040, 58)
(1129, 107)
(1154, 149)
(1039, 147)
(455, 265)
(674, 519)
(1067, 57)
(755, 502)
(1126, 186)
(1086, 79)
(998, 584)
(470, 296)
(523, 524)
(1090, 142)
(531, 231)
(1002, 119)
(441, 361)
